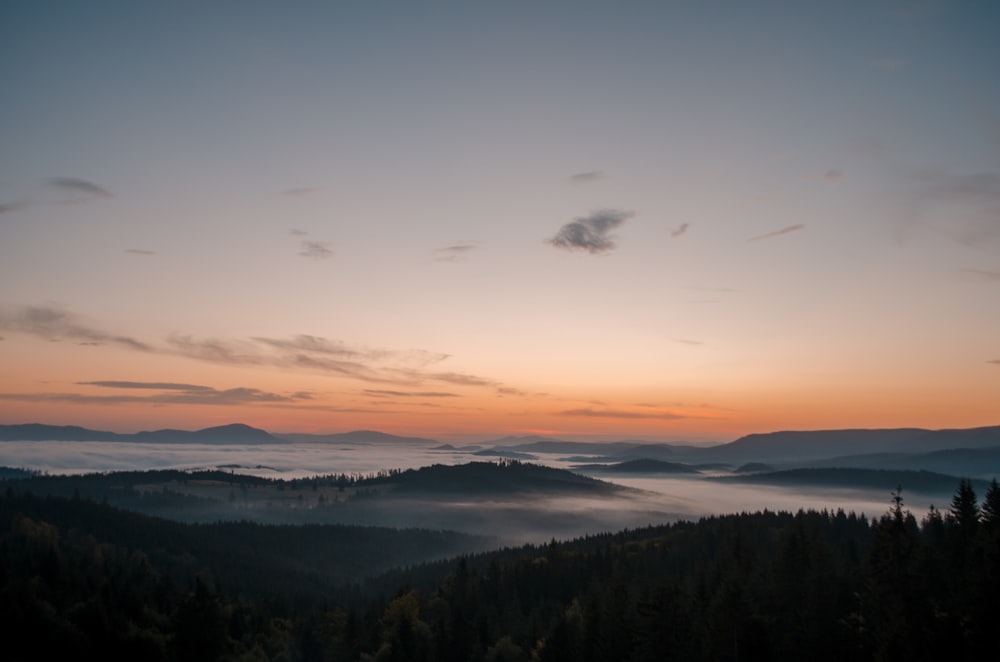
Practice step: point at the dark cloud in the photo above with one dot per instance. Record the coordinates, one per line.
(453, 253)
(158, 386)
(585, 177)
(80, 186)
(11, 206)
(777, 233)
(591, 233)
(295, 232)
(994, 361)
(680, 231)
(618, 413)
(833, 175)
(55, 324)
(316, 250)
(139, 251)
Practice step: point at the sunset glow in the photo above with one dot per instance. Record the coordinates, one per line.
(658, 221)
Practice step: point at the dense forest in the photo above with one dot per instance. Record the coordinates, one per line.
(80, 578)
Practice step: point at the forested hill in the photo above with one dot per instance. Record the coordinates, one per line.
(923, 482)
(78, 581)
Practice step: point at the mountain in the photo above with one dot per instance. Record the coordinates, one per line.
(236, 433)
(972, 462)
(356, 437)
(801, 446)
(39, 432)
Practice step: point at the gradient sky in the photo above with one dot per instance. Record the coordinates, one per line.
(630, 220)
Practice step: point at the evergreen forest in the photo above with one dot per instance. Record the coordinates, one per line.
(84, 578)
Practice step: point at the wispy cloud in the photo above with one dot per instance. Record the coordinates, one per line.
(55, 324)
(778, 233)
(139, 251)
(303, 190)
(963, 205)
(587, 177)
(620, 413)
(377, 393)
(591, 233)
(994, 361)
(80, 187)
(685, 341)
(295, 232)
(316, 250)
(208, 396)
(833, 175)
(158, 386)
(682, 230)
(983, 273)
(11, 206)
(407, 369)
(454, 252)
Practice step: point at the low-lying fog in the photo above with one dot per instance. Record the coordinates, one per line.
(663, 499)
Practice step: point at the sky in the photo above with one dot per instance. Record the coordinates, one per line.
(677, 221)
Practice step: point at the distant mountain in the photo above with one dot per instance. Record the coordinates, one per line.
(641, 466)
(39, 432)
(236, 433)
(800, 446)
(924, 482)
(356, 437)
(973, 462)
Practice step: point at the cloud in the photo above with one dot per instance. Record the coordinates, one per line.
(80, 186)
(776, 233)
(295, 232)
(680, 231)
(316, 250)
(209, 396)
(139, 251)
(963, 205)
(619, 413)
(394, 368)
(11, 206)
(159, 386)
(983, 273)
(312, 344)
(994, 361)
(586, 177)
(304, 190)
(54, 324)
(833, 175)
(685, 341)
(408, 394)
(453, 253)
(591, 233)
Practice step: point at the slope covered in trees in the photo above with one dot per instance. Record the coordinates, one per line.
(76, 579)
